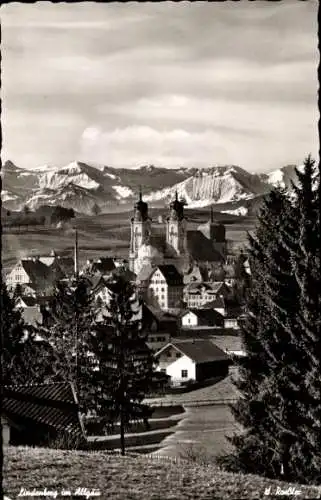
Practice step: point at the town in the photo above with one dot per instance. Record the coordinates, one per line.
(188, 286)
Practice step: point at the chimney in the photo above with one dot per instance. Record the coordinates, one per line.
(76, 255)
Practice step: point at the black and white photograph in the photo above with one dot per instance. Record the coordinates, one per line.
(160, 265)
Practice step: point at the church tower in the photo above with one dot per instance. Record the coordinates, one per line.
(176, 226)
(140, 229)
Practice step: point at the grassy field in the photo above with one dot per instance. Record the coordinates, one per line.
(128, 478)
(104, 235)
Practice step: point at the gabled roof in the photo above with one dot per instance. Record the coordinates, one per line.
(171, 275)
(198, 350)
(207, 317)
(201, 248)
(218, 303)
(38, 272)
(54, 405)
(28, 300)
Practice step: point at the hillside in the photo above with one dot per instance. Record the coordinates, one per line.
(81, 186)
(141, 478)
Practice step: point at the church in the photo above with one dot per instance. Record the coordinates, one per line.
(199, 252)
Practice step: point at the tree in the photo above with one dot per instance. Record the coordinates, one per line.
(61, 214)
(271, 375)
(95, 209)
(123, 364)
(67, 320)
(23, 358)
(305, 255)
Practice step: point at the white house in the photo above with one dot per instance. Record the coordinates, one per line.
(194, 360)
(201, 317)
(198, 294)
(32, 272)
(165, 288)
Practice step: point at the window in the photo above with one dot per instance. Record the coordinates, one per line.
(184, 373)
(178, 355)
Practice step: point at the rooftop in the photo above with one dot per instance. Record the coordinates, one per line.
(171, 275)
(199, 350)
(54, 405)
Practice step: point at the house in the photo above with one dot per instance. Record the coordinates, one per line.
(201, 317)
(165, 288)
(101, 290)
(34, 414)
(198, 294)
(193, 360)
(32, 272)
(159, 325)
(233, 313)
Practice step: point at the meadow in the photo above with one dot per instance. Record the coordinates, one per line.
(103, 235)
(129, 477)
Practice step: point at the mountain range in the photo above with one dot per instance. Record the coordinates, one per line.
(82, 187)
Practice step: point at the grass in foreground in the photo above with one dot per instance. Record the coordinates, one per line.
(129, 478)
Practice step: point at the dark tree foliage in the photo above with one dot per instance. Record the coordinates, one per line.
(240, 289)
(23, 357)
(279, 379)
(66, 324)
(305, 255)
(95, 209)
(62, 214)
(122, 367)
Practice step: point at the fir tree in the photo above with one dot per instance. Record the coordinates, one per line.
(122, 362)
(66, 324)
(23, 358)
(305, 254)
(280, 377)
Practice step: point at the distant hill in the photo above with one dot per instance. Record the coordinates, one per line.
(82, 187)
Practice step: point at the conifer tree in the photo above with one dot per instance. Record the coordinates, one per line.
(305, 254)
(23, 358)
(122, 362)
(66, 324)
(280, 377)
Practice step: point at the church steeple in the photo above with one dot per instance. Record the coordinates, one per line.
(176, 209)
(175, 225)
(140, 207)
(140, 228)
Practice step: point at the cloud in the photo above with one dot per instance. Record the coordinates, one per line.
(140, 145)
(240, 75)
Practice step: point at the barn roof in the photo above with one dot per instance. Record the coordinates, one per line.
(54, 405)
(199, 350)
(37, 271)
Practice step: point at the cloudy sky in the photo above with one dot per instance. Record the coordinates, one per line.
(173, 84)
